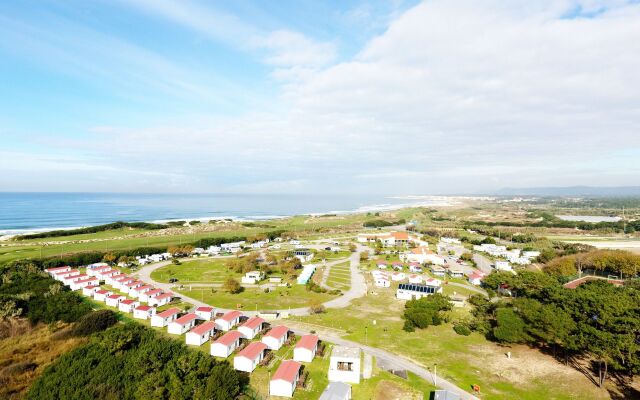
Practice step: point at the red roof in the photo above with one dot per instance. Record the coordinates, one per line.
(87, 280)
(71, 271)
(132, 284)
(185, 319)
(114, 296)
(144, 308)
(277, 332)
(122, 278)
(169, 312)
(476, 275)
(400, 235)
(91, 287)
(102, 291)
(164, 296)
(129, 301)
(203, 328)
(56, 269)
(287, 371)
(141, 288)
(253, 350)
(253, 323)
(204, 309)
(229, 338)
(307, 342)
(154, 291)
(230, 316)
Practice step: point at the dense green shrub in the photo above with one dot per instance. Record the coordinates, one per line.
(133, 362)
(94, 322)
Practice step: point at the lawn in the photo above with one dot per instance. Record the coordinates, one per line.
(252, 298)
(465, 360)
(196, 271)
(340, 276)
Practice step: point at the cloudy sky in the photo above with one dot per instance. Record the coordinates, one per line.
(394, 97)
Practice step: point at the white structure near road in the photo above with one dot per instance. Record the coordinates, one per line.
(182, 324)
(344, 365)
(200, 334)
(226, 344)
(164, 318)
(306, 348)
(251, 327)
(276, 337)
(249, 358)
(252, 277)
(283, 382)
(422, 255)
(228, 320)
(144, 312)
(414, 291)
(205, 313)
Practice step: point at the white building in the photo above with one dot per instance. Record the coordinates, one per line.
(284, 381)
(437, 270)
(306, 348)
(276, 337)
(89, 290)
(114, 299)
(398, 276)
(136, 292)
(456, 272)
(144, 312)
(101, 295)
(249, 358)
(382, 282)
(226, 344)
(77, 285)
(503, 266)
(476, 278)
(165, 317)
(252, 277)
(336, 391)
(53, 271)
(449, 240)
(413, 278)
(251, 327)
(160, 300)
(344, 365)
(200, 334)
(144, 297)
(128, 306)
(306, 274)
(415, 267)
(422, 255)
(205, 313)
(414, 291)
(182, 324)
(228, 320)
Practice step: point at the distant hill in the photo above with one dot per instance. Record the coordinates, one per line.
(578, 191)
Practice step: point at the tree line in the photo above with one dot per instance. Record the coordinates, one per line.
(92, 229)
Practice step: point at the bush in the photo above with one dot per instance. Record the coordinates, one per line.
(462, 329)
(232, 286)
(94, 322)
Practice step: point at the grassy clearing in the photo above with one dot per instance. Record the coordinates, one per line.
(24, 357)
(252, 298)
(196, 271)
(114, 233)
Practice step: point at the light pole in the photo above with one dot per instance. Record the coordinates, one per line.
(435, 374)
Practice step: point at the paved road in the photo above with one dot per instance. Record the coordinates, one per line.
(391, 360)
(483, 263)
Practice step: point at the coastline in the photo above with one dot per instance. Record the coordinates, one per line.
(418, 201)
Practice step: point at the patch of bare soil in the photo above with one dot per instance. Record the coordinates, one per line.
(527, 365)
(387, 390)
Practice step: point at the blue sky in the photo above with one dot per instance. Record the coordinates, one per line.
(401, 97)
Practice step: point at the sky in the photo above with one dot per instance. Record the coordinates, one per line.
(395, 97)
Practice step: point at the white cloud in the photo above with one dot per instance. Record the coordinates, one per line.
(289, 48)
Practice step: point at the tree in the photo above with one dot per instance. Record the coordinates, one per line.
(232, 286)
(510, 328)
(426, 311)
(562, 266)
(109, 258)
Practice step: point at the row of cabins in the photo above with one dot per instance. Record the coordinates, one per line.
(515, 256)
(383, 279)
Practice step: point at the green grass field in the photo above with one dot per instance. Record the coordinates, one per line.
(280, 298)
(340, 277)
(196, 271)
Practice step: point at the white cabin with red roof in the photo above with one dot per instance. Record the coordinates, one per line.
(144, 312)
(60, 275)
(165, 317)
(52, 271)
(476, 278)
(249, 358)
(284, 381)
(108, 280)
(251, 327)
(306, 348)
(121, 284)
(133, 285)
(67, 281)
(136, 292)
(97, 270)
(101, 295)
(182, 324)
(276, 337)
(144, 297)
(413, 278)
(161, 300)
(82, 283)
(228, 320)
(89, 290)
(205, 313)
(422, 255)
(226, 344)
(200, 334)
(114, 299)
(128, 305)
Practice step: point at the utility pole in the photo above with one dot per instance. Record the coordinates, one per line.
(435, 374)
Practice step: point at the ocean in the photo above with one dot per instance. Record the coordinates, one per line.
(31, 212)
